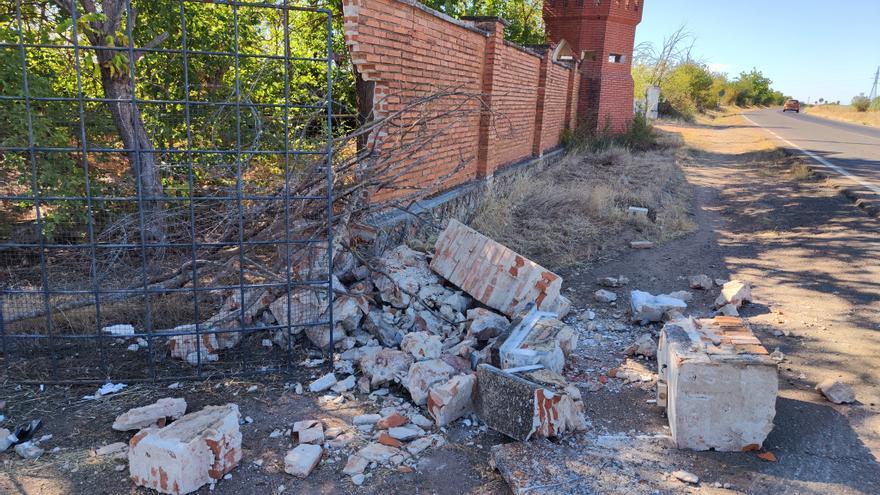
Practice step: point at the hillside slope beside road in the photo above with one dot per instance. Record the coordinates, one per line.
(849, 152)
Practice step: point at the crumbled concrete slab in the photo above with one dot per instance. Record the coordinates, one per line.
(493, 274)
(323, 383)
(29, 450)
(155, 414)
(702, 282)
(302, 460)
(647, 308)
(836, 391)
(308, 431)
(604, 296)
(735, 292)
(5, 442)
(423, 375)
(718, 384)
(537, 338)
(386, 365)
(641, 244)
(484, 324)
(422, 345)
(613, 282)
(197, 449)
(452, 400)
(536, 404)
(376, 452)
(355, 465)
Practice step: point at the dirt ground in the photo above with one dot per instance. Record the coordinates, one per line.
(814, 262)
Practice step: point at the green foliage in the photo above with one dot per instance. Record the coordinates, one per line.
(688, 90)
(754, 89)
(640, 136)
(861, 103)
(524, 17)
(875, 105)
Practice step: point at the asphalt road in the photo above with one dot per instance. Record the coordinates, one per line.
(850, 151)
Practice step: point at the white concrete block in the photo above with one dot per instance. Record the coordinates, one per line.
(717, 383)
(197, 449)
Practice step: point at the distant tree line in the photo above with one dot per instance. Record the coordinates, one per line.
(688, 86)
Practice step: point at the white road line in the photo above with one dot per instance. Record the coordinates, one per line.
(818, 158)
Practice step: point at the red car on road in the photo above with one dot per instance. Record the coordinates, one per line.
(793, 105)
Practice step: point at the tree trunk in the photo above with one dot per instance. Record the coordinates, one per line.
(141, 156)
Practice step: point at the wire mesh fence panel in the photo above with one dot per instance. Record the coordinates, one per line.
(165, 187)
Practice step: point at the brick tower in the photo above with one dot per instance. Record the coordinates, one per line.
(602, 33)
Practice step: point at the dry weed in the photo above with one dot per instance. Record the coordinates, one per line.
(576, 207)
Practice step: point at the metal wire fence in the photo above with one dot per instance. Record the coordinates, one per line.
(166, 196)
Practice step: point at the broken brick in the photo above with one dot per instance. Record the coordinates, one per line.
(197, 449)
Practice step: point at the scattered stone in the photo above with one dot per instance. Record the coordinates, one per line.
(484, 324)
(717, 383)
(423, 375)
(342, 441)
(366, 419)
(836, 391)
(308, 431)
(728, 310)
(702, 282)
(641, 244)
(452, 400)
(358, 479)
(538, 404)
(386, 365)
(133, 348)
(419, 445)
(604, 296)
(405, 433)
(506, 281)
(392, 420)
(106, 389)
(386, 439)
(114, 449)
(376, 452)
(344, 385)
(686, 477)
(720, 282)
(637, 211)
(735, 292)
(422, 345)
(5, 442)
(647, 308)
(777, 355)
(302, 460)
(266, 342)
(421, 421)
(767, 456)
(28, 450)
(323, 383)
(197, 449)
(643, 346)
(613, 282)
(156, 414)
(355, 465)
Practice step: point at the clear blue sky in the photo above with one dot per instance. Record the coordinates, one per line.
(809, 48)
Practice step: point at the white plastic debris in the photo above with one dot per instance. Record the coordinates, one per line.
(119, 330)
(106, 389)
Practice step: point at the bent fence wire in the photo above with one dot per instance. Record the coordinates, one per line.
(166, 187)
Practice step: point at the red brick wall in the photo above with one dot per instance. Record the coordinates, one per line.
(601, 27)
(409, 51)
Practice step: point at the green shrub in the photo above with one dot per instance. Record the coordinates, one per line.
(861, 103)
(639, 136)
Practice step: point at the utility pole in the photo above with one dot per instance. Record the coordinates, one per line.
(874, 89)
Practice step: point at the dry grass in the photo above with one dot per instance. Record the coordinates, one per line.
(573, 209)
(845, 113)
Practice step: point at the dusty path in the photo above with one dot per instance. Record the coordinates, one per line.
(814, 261)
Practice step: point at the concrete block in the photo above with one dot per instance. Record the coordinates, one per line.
(422, 345)
(423, 375)
(536, 404)
(155, 414)
(302, 460)
(452, 400)
(718, 384)
(493, 274)
(195, 450)
(537, 338)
